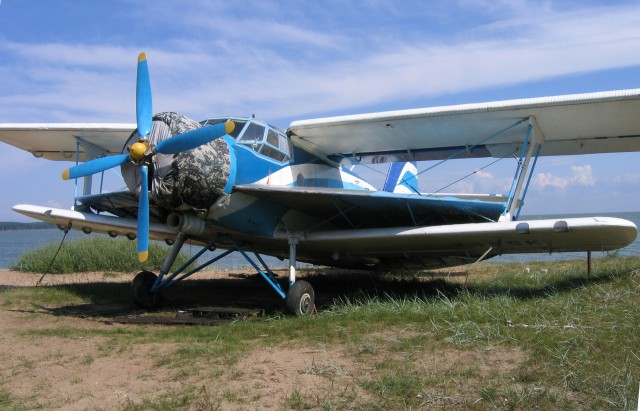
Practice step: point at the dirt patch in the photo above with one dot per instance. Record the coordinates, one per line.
(277, 375)
(51, 358)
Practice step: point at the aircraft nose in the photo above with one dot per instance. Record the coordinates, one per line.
(198, 177)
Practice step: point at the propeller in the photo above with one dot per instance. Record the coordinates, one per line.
(141, 152)
(143, 216)
(144, 111)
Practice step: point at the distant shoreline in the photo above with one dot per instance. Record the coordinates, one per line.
(14, 226)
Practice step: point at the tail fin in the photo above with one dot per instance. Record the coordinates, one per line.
(402, 178)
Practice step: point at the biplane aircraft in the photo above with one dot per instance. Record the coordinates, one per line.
(241, 185)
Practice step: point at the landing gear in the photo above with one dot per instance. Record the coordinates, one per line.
(147, 287)
(300, 300)
(141, 294)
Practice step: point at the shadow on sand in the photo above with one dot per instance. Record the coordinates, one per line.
(110, 299)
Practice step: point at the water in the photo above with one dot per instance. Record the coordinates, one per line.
(16, 242)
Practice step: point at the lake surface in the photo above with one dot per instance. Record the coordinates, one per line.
(15, 242)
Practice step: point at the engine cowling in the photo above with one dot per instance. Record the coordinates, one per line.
(188, 181)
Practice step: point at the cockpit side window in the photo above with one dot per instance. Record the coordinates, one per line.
(253, 134)
(213, 121)
(239, 124)
(264, 140)
(272, 137)
(238, 128)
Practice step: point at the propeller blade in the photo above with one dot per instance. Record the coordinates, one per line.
(144, 108)
(194, 138)
(143, 216)
(95, 166)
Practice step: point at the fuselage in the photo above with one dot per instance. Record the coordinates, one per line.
(199, 185)
(261, 154)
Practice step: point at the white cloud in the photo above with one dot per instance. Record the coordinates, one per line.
(230, 63)
(580, 176)
(544, 180)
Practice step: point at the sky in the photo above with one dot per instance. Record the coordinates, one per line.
(75, 61)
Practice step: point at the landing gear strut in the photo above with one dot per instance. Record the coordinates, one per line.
(299, 299)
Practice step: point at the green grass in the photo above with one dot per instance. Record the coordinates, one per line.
(92, 254)
(518, 336)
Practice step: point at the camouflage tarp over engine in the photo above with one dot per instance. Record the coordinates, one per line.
(190, 180)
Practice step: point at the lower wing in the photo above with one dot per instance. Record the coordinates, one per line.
(89, 222)
(448, 245)
(396, 247)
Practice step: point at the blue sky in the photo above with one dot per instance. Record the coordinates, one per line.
(74, 61)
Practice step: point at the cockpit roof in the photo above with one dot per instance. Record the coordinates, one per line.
(216, 120)
(264, 139)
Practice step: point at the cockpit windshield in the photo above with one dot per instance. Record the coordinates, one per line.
(262, 138)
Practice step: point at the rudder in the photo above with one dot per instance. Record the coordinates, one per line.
(402, 178)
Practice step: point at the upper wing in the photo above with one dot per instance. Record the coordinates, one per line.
(572, 124)
(59, 141)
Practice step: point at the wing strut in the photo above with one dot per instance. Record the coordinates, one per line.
(524, 171)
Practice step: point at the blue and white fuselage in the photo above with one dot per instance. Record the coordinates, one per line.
(268, 157)
(262, 155)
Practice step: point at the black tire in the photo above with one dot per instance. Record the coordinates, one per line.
(300, 299)
(141, 294)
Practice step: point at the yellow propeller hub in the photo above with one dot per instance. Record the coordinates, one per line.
(229, 126)
(137, 150)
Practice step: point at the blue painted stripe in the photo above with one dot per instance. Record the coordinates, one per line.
(233, 164)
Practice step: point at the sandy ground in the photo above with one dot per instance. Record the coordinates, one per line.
(70, 370)
(62, 372)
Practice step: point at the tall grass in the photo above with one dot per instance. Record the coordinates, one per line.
(92, 254)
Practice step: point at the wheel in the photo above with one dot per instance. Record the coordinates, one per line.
(300, 299)
(141, 294)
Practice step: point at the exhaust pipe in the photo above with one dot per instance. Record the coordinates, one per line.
(186, 223)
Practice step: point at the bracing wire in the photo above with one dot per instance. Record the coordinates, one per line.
(66, 231)
(466, 176)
